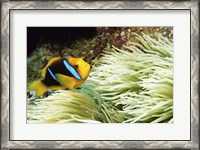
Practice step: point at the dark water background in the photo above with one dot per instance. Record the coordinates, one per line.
(63, 36)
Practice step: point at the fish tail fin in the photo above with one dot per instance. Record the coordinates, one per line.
(39, 87)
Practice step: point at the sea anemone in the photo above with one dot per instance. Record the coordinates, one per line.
(133, 84)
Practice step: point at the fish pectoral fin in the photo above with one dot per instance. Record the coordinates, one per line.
(57, 87)
(65, 81)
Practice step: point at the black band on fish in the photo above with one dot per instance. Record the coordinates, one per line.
(52, 75)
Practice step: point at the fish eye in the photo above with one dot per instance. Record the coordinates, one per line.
(75, 66)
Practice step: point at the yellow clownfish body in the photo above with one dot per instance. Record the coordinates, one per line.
(61, 73)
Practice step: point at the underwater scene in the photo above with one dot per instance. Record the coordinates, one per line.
(99, 75)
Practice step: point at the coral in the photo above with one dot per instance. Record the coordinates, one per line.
(140, 79)
(127, 85)
(77, 105)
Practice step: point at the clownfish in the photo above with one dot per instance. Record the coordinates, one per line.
(61, 73)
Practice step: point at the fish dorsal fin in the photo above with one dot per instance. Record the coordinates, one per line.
(72, 70)
(51, 61)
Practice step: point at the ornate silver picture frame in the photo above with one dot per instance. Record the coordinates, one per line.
(6, 83)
